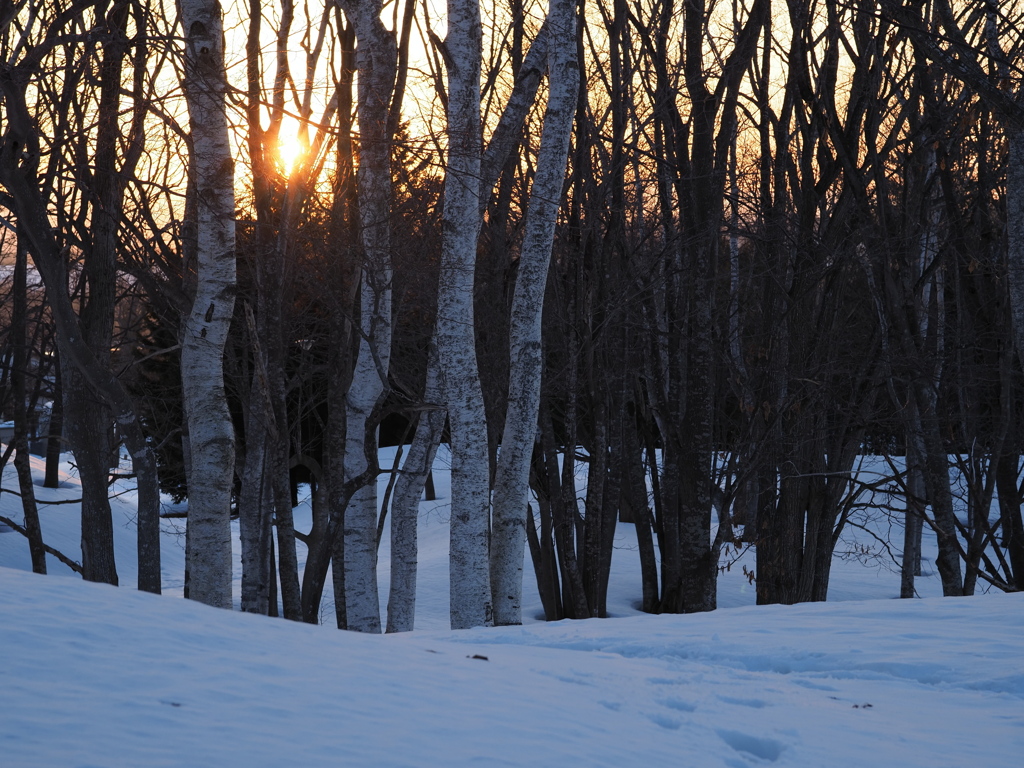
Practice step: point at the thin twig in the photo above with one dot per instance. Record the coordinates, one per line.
(76, 567)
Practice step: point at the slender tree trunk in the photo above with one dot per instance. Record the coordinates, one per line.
(324, 550)
(278, 450)
(1007, 474)
(470, 602)
(545, 481)
(597, 506)
(511, 487)
(564, 512)
(255, 500)
(19, 318)
(376, 61)
(406, 504)
(368, 382)
(211, 433)
(910, 567)
(936, 477)
(345, 232)
(89, 430)
(89, 421)
(55, 429)
(258, 577)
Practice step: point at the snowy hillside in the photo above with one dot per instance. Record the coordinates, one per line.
(94, 676)
(98, 676)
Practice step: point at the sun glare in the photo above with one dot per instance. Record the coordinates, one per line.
(289, 152)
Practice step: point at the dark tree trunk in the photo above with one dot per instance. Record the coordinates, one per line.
(910, 567)
(55, 431)
(19, 318)
(1007, 474)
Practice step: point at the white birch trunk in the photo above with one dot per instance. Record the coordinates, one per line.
(211, 433)
(511, 488)
(376, 60)
(361, 597)
(406, 505)
(456, 346)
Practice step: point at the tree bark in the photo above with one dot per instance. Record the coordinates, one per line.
(255, 499)
(376, 62)
(1007, 474)
(406, 504)
(511, 486)
(211, 432)
(55, 431)
(470, 593)
(917, 495)
(19, 320)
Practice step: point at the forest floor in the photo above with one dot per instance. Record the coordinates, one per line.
(95, 676)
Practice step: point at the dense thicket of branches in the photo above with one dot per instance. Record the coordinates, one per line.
(788, 234)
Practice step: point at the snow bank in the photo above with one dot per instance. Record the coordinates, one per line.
(96, 676)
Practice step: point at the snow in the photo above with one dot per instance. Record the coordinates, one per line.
(92, 675)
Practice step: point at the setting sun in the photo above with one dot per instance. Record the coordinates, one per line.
(289, 153)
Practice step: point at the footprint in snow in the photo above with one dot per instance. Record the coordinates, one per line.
(752, 703)
(756, 746)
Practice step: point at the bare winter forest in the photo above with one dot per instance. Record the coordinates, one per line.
(666, 264)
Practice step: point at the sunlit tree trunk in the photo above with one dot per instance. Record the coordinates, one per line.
(376, 62)
(469, 585)
(511, 486)
(211, 433)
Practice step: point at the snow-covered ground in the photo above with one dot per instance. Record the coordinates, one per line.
(96, 676)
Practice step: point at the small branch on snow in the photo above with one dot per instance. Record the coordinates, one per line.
(77, 568)
(43, 502)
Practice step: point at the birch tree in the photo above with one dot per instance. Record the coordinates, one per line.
(376, 61)
(211, 433)
(470, 593)
(406, 503)
(511, 490)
